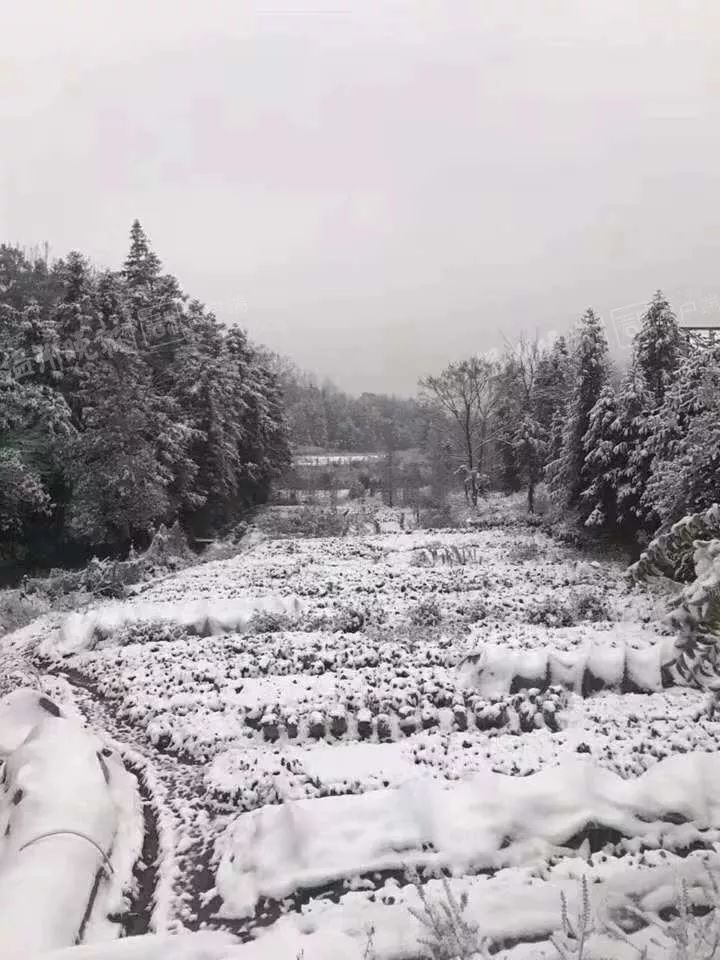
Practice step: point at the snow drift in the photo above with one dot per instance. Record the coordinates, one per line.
(496, 671)
(193, 946)
(69, 816)
(487, 821)
(80, 631)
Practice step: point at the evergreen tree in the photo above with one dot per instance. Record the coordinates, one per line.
(658, 349)
(506, 423)
(103, 432)
(685, 441)
(614, 485)
(142, 265)
(552, 383)
(34, 423)
(633, 454)
(589, 373)
(599, 498)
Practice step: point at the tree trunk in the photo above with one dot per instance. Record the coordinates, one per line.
(471, 470)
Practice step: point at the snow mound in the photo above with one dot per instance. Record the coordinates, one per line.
(80, 631)
(193, 946)
(496, 671)
(487, 821)
(515, 904)
(67, 807)
(20, 712)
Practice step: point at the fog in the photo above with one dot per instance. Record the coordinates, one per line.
(376, 188)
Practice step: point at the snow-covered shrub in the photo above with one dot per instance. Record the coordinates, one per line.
(570, 941)
(582, 605)
(590, 605)
(168, 548)
(237, 782)
(269, 621)
(148, 631)
(697, 620)
(671, 554)
(449, 933)
(426, 613)
(348, 619)
(305, 521)
(17, 609)
(551, 612)
(474, 610)
(688, 929)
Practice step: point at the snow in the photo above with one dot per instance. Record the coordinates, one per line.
(65, 807)
(491, 669)
(80, 631)
(295, 756)
(197, 946)
(488, 821)
(516, 903)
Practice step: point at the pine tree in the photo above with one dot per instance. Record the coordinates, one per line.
(142, 266)
(589, 373)
(685, 441)
(658, 349)
(552, 383)
(599, 497)
(614, 459)
(632, 453)
(104, 433)
(506, 424)
(34, 423)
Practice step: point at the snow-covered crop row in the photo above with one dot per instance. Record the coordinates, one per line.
(328, 714)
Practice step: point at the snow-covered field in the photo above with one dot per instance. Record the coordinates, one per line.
(324, 729)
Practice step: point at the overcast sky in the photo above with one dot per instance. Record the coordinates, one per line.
(375, 188)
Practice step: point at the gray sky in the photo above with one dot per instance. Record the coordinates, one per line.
(375, 188)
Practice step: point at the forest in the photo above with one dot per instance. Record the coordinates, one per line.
(126, 404)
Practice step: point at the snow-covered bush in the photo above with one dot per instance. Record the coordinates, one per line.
(671, 554)
(697, 619)
(426, 613)
(17, 609)
(590, 605)
(304, 521)
(474, 610)
(148, 631)
(449, 932)
(688, 929)
(582, 605)
(348, 619)
(551, 612)
(269, 621)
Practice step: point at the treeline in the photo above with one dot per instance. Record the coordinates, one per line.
(623, 453)
(324, 417)
(124, 404)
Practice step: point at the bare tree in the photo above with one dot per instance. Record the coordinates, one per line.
(467, 391)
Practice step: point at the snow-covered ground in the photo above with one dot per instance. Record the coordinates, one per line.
(320, 725)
